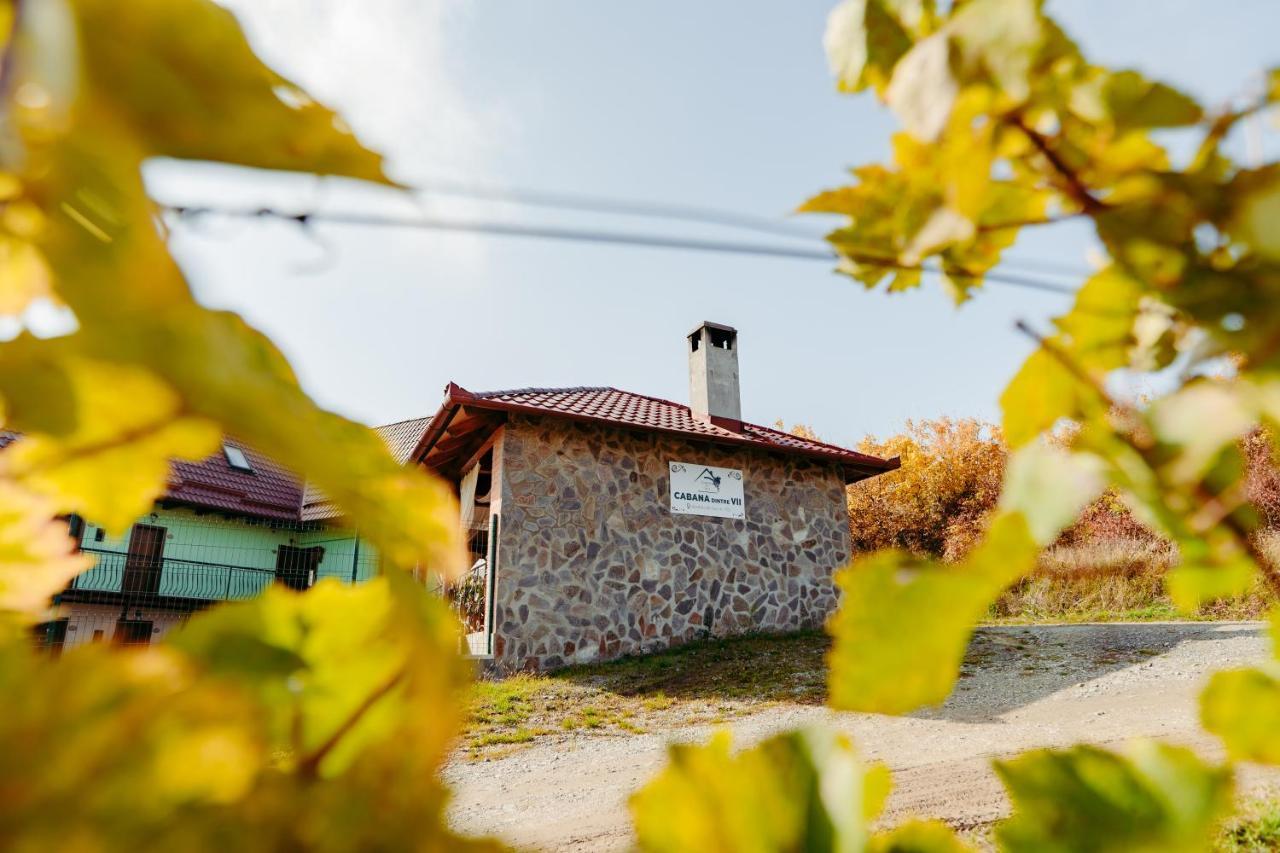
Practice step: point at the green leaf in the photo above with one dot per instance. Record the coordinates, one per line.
(1136, 102)
(918, 836)
(903, 623)
(182, 74)
(1041, 394)
(1256, 217)
(923, 89)
(1050, 487)
(322, 660)
(1191, 586)
(801, 790)
(1198, 422)
(1001, 40)
(97, 726)
(1153, 797)
(114, 465)
(1099, 330)
(37, 554)
(863, 42)
(944, 227)
(1242, 706)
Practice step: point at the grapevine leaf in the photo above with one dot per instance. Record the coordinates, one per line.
(1001, 38)
(182, 75)
(320, 660)
(1256, 218)
(923, 89)
(863, 42)
(1050, 487)
(1153, 797)
(1041, 394)
(24, 275)
(114, 465)
(1099, 329)
(903, 623)
(801, 790)
(918, 836)
(1199, 421)
(102, 726)
(37, 555)
(1191, 585)
(1242, 706)
(1136, 102)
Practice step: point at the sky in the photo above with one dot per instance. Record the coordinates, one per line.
(716, 104)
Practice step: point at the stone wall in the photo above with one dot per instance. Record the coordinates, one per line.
(593, 564)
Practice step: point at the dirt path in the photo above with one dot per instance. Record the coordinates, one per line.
(1023, 687)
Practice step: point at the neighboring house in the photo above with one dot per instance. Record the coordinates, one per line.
(601, 523)
(226, 528)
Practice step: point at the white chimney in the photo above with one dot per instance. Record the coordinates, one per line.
(713, 375)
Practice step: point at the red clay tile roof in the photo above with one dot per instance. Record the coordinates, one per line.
(268, 491)
(638, 411)
(401, 438)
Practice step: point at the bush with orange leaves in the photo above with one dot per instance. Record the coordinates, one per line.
(939, 498)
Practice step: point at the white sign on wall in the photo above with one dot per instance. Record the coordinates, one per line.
(707, 490)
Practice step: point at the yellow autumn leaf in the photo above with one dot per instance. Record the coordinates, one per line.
(115, 463)
(37, 554)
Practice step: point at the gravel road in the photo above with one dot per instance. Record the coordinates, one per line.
(1022, 687)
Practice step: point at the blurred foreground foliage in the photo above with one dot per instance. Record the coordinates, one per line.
(1005, 126)
(319, 721)
(299, 722)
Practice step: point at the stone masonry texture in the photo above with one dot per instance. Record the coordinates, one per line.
(593, 565)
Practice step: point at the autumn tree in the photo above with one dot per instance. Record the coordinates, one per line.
(948, 483)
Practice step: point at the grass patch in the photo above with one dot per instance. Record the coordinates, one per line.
(702, 682)
(1112, 581)
(1256, 827)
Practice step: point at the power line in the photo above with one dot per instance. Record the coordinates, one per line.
(620, 207)
(666, 210)
(507, 229)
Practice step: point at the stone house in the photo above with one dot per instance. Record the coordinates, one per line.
(619, 523)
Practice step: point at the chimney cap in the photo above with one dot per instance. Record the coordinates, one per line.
(707, 324)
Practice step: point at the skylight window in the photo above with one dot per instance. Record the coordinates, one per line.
(236, 458)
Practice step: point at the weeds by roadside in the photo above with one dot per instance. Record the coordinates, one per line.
(716, 680)
(703, 682)
(1112, 580)
(1255, 828)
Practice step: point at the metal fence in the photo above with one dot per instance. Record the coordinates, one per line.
(177, 561)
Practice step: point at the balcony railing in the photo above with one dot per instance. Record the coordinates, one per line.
(115, 575)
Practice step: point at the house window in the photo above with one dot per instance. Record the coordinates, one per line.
(75, 527)
(296, 567)
(236, 458)
(51, 635)
(132, 632)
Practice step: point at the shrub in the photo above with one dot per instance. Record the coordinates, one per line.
(949, 481)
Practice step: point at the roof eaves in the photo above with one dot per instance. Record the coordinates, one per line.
(457, 395)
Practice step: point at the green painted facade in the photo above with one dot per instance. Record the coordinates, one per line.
(212, 557)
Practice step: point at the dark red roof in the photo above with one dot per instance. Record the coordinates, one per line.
(638, 411)
(268, 491)
(401, 438)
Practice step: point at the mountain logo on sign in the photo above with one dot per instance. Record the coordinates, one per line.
(707, 481)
